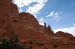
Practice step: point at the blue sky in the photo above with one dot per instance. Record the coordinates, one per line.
(59, 14)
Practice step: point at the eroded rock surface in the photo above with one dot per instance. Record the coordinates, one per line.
(26, 26)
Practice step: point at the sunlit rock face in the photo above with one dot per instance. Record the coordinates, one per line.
(29, 21)
(63, 34)
(46, 30)
(26, 26)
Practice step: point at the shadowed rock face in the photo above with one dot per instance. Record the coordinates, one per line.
(28, 29)
(8, 12)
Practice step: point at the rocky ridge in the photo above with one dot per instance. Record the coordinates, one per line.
(26, 26)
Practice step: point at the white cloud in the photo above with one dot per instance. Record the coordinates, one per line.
(41, 21)
(21, 3)
(36, 8)
(50, 14)
(20, 10)
(70, 30)
(53, 14)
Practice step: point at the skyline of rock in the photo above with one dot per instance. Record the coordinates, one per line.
(26, 26)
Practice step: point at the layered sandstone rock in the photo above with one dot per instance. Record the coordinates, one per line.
(8, 12)
(28, 29)
(29, 21)
(23, 24)
(63, 34)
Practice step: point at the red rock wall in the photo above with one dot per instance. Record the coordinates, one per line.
(28, 29)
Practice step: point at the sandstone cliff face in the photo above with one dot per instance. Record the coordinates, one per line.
(63, 34)
(28, 29)
(23, 24)
(29, 21)
(8, 11)
(46, 30)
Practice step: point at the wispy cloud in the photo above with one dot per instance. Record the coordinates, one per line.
(36, 8)
(50, 14)
(53, 14)
(41, 21)
(67, 29)
(20, 10)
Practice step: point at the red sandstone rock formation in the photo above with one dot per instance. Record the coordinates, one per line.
(63, 34)
(28, 29)
(8, 11)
